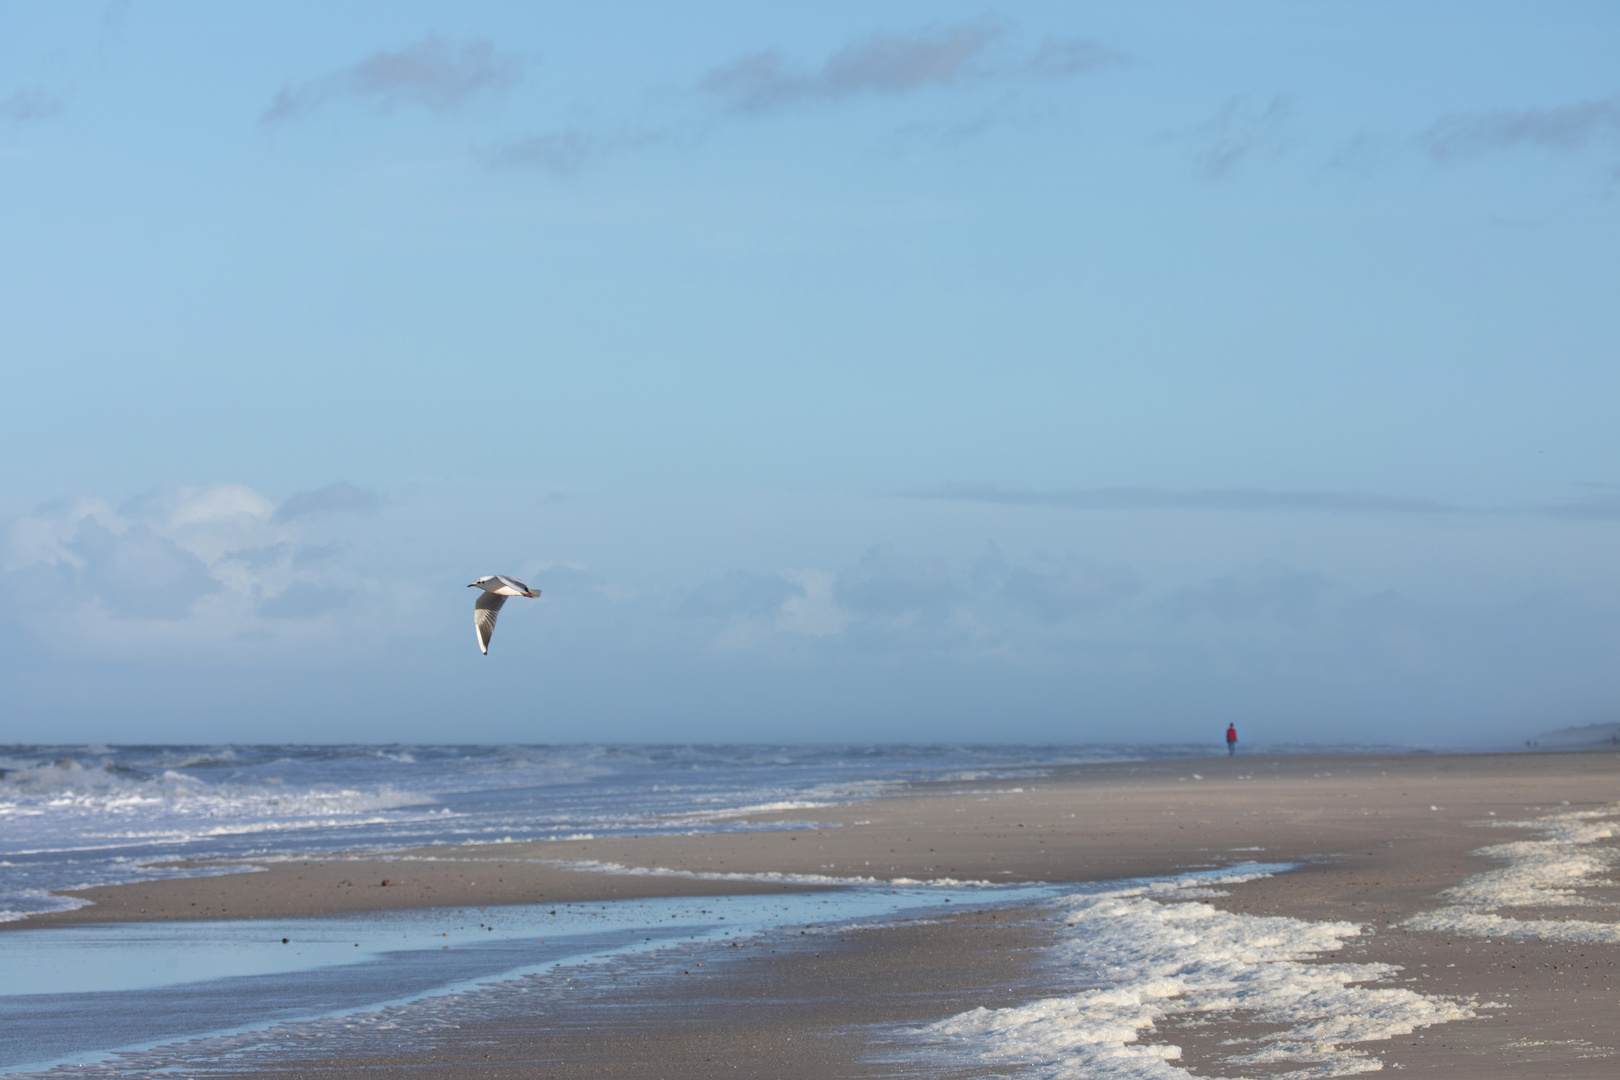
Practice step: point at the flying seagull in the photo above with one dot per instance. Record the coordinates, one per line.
(497, 587)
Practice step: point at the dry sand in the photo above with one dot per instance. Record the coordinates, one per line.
(1379, 836)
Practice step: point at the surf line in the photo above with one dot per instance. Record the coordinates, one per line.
(1550, 872)
(780, 877)
(1157, 951)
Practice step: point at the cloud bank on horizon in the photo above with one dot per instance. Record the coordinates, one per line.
(1290, 356)
(181, 571)
(189, 581)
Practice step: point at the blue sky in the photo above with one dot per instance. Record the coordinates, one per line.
(911, 372)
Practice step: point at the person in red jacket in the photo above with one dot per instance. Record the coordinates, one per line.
(1231, 739)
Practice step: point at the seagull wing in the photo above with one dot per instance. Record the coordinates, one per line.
(485, 608)
(511, 586)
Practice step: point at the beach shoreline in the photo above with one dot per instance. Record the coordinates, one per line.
(1374, 838)
(1079, 823)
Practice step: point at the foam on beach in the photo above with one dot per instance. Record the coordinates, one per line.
(1152, 952)
(1557, 871)
(773, 877)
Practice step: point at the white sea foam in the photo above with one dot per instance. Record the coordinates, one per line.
(733, 813)
(770, 877)
(107, 794)
(71, 821)
(1551, 872)
(37, 901)
(1147, 955)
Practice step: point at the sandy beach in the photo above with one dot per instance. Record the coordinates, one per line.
(1376, 840)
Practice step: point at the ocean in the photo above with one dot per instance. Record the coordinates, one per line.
(78, 816)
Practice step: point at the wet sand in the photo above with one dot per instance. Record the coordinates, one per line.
(1379, 837)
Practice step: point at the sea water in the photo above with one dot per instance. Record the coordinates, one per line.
(78, 816)
(128, 998)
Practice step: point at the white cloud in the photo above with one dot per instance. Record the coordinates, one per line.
(137, 574)
(888, 596)
(756, 607)
(332, 498)
(815, 612)
(186, 566)
(1270, 590)
(44, 535)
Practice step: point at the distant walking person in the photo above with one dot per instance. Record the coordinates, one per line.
(1231, 740)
